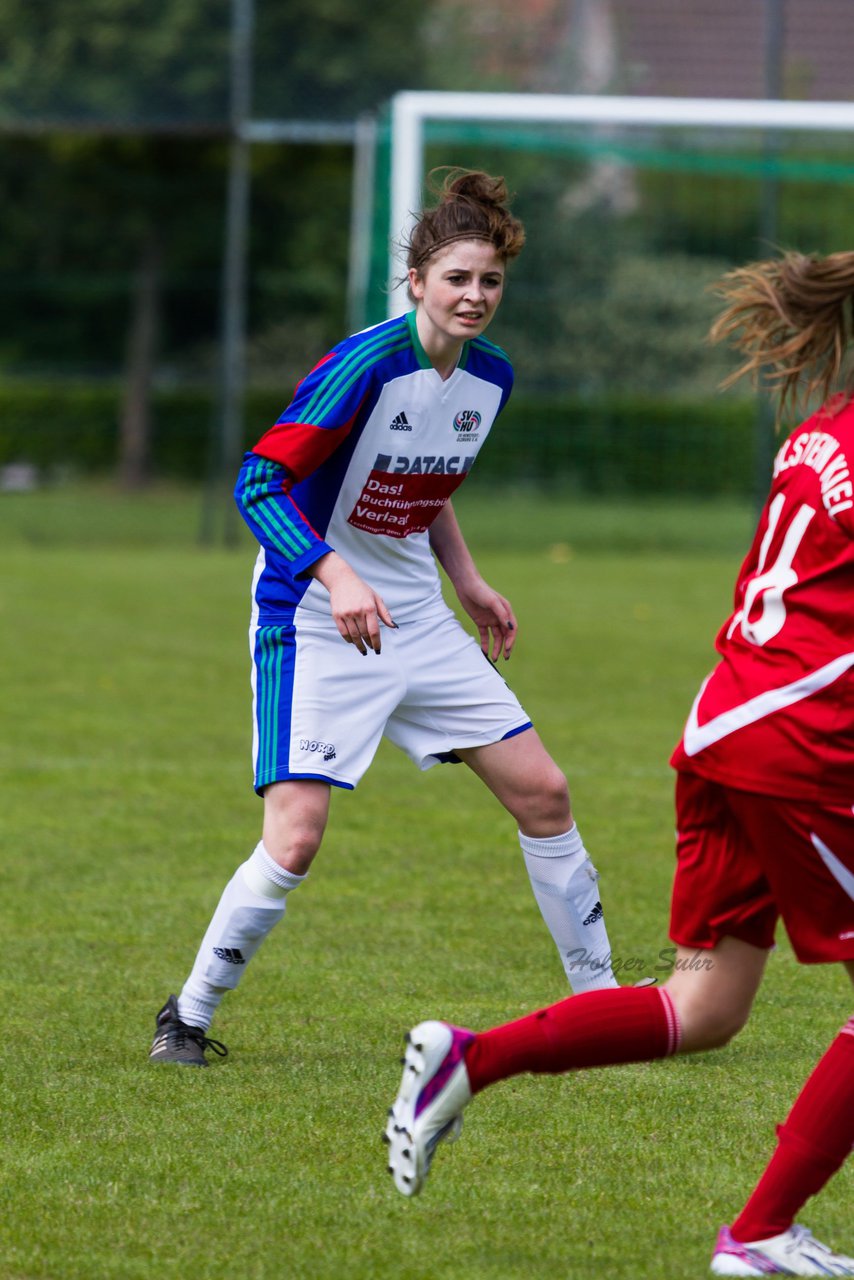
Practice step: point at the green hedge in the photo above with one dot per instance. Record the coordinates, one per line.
(59, 427)
(617, 444)
(606, 445)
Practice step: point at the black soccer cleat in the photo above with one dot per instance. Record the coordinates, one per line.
(174, 1041)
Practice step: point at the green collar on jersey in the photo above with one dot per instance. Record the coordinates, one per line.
(423, 358)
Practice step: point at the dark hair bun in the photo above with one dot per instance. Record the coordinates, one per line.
(470, 205)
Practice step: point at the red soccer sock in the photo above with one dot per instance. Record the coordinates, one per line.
(594, 1029)
(813, 1143)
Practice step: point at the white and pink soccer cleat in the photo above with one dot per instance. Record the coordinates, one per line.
(794, 1253)
(432, 1094)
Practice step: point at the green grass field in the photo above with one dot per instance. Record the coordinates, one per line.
(126, 802)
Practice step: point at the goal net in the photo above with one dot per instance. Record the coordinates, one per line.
(633, 207)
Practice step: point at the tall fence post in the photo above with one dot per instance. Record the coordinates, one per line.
(232, 381)
(769, 226)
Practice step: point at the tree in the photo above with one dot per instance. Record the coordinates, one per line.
(109, 62)
(117, 207)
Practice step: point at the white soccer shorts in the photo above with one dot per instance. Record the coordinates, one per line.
(320, 707)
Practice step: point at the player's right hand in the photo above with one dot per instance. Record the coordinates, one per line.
(356, 608)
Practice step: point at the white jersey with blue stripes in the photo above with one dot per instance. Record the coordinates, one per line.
(364, 458)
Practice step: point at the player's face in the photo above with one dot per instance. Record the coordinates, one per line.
(457, 292)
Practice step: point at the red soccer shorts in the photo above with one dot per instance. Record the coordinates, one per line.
(744, 860)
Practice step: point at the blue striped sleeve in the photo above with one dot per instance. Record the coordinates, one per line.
(276, 521)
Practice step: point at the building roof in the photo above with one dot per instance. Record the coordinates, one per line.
(681, 48)
(717, 48)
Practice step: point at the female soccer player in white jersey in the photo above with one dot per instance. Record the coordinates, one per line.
(764, 796)
(349, 496)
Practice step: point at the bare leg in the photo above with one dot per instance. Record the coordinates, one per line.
(295, 817)
(522, 775)
(713, 991)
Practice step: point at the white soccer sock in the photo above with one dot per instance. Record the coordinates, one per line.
(564, 882)
(252, 902)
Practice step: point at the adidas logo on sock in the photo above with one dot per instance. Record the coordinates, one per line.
(596, 914)
(400, 423)
(231, 955)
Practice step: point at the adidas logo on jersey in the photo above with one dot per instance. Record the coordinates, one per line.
(400, 423)
(596, 914)
(231, 955)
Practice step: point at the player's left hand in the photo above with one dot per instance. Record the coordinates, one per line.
(492, 615)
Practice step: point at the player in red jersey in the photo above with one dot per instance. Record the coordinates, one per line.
(764, 796)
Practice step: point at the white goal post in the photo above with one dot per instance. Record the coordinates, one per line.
(410, 112)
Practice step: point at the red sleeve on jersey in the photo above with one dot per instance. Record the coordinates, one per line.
(300, 447)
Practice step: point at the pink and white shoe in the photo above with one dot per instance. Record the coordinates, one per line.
(433, 1091)
(794, 1253)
